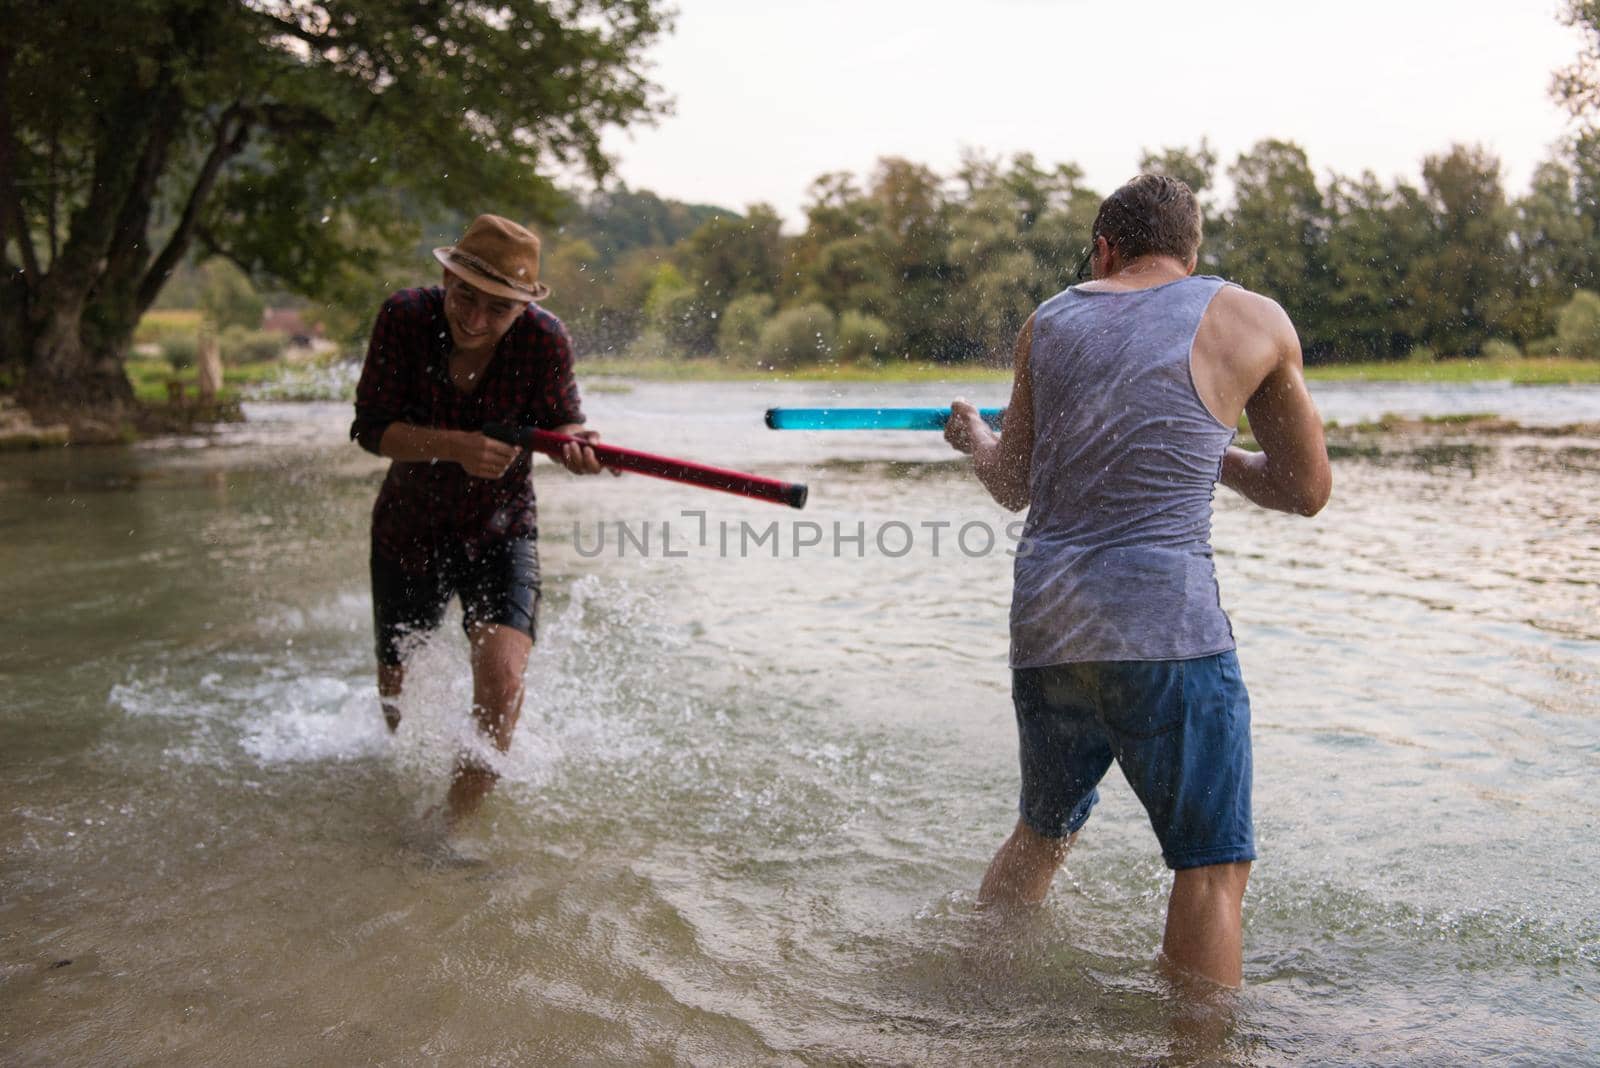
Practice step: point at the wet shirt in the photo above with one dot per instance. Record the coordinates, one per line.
(406, 379)
(1115, 561)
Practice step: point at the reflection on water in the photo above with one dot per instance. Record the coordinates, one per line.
(751, 798)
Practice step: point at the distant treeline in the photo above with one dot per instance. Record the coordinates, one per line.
(912, 264)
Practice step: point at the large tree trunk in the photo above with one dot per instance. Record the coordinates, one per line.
(68, 368)
(66, 375)
(79, 320)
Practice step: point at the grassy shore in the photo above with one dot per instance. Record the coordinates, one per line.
(158, 326)
(1527, 371)
(715, 370)
(150, 377)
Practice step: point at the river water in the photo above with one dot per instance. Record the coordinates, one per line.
(761, 768)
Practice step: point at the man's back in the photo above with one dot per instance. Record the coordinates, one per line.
(1125, 456)
(1242, 338)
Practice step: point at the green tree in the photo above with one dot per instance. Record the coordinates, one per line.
(798, 335)
(677, 312)
(1375, 239)
(914, 235)
(1465, 285)
(577, 284)
(863, 337)
(1014, 241)
(1556, 249)
(851, 272)
(616, 310)
(618, 221)
(1578, 86)
(684, 318)
(1054, 214)
(1578, 326)
(1273, 240)
(279, 133)
(228, 298)
(731, 256)
(1196, 167)
(1582, 157)
(879, 252)
(739, 329)
(837, 208)
(838, 259)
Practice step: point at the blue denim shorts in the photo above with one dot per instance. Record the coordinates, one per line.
(1179, 728)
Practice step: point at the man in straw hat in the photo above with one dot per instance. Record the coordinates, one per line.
(456, 515)
(1126, 395)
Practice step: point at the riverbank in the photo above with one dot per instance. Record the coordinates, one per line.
(165, 401)
(1393, 433)
(1523, 371)
(715, 370)
(22, 429)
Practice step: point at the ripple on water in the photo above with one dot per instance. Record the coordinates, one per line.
(749, 801)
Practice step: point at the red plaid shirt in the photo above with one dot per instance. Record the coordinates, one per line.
(406, 379)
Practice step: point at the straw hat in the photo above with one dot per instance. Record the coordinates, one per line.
(498, 257)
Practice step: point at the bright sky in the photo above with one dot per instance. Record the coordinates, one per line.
(771, 93)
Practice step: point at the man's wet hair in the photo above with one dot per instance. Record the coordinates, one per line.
(1152, 214)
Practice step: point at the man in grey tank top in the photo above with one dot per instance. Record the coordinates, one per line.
(1126, 393)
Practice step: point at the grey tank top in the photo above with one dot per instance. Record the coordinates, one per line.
(1115, 559)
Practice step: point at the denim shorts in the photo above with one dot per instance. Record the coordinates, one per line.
(1179, 728)
(499, 585)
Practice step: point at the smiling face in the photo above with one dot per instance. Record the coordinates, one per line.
(477, 320)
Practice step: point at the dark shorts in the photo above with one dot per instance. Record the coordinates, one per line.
(1180, 729)
(500, 586)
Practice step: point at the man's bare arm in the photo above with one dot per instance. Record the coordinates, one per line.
(1002, 463)
(1291, 472)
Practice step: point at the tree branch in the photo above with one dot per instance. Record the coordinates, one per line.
(232, 132)
(11, 213)
(50, 222)
(124, 252)
(290, 28)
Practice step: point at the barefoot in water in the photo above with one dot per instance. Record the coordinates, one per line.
(469, 786)
(438, 841)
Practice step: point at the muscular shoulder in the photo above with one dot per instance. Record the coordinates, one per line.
(1243, 338)
(1241, 309)
(1248, 329)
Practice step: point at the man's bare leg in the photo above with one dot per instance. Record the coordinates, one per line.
(1205, 923)
(391, 678)
(499, 658)
(1023, 867)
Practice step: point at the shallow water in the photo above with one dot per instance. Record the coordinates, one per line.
(754, 788)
